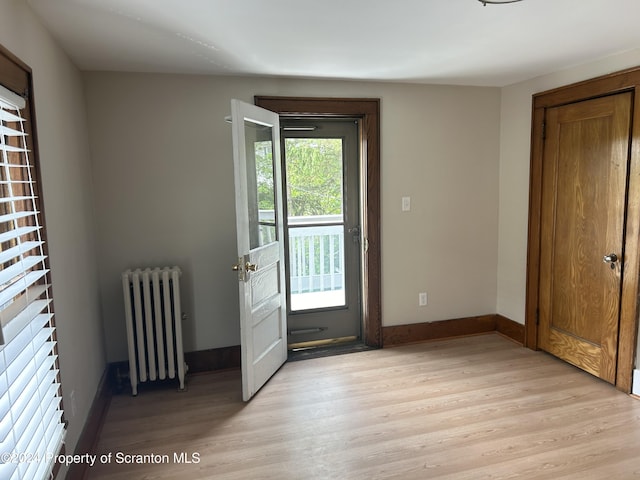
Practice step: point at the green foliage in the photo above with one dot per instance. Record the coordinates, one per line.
(264, 175)
(314, 176)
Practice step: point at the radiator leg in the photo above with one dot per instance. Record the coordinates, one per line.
(180, 364)
(133, 375)
(181, 376)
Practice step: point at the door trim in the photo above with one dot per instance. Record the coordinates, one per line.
(368, 109)
(624, 81)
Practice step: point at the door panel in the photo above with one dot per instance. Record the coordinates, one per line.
(260, 267)
(321, 164)
(584, 182)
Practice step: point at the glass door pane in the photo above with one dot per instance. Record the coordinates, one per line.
(315, 204)
(260, 182)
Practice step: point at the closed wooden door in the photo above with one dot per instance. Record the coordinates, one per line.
(584, 183)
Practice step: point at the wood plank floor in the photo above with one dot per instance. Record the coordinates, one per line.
(473, 408)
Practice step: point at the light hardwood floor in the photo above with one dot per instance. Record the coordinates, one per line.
(473, 408)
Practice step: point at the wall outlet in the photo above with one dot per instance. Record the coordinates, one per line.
(406, 204)
(422, 299)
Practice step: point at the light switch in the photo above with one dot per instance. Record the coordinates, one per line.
(422, 299)
(406, 204)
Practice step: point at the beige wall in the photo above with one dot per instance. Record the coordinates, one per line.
(67, 189)
(163, 176)
(515, 140)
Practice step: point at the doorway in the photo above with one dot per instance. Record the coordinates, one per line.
(320, 160)
(584, 219)
(367, 110)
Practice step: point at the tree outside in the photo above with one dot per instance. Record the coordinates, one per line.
(314, 176)
(314, 188)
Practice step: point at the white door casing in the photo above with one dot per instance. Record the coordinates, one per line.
(260, 263)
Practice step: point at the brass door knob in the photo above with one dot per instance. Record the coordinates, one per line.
(250, 267)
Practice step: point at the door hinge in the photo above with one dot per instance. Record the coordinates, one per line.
(537, 316)
(544, 130)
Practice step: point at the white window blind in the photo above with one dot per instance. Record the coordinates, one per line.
(31, 428)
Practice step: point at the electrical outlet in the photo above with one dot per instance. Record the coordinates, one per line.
(422, 299)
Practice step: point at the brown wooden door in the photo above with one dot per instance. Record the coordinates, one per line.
(584, 178)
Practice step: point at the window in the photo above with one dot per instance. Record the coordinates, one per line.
(31, 425)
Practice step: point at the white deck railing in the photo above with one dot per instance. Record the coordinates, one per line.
(316, 253)
(316, 262)
(316, 257)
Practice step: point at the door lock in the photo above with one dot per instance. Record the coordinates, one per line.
(355, 233)
(611, 259)
(239, 268)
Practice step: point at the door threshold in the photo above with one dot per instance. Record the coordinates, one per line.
(325, 348)
(320, 343)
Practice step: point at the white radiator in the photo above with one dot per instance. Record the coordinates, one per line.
(154, 325)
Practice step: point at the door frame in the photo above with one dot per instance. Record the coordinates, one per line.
(624, 81)
(368, 110)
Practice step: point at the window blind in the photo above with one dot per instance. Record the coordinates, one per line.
(31, 428)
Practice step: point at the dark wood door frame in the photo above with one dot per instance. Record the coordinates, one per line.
(625, 81)
(368, 110)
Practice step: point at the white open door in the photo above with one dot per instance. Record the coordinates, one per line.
(260, 265)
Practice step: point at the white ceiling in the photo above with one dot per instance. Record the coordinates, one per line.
(424, 41)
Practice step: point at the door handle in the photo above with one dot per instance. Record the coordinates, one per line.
(250, 267)
(355, 233)
(611, 259)
(243, 268)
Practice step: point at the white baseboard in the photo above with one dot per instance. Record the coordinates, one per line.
(635, 389)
